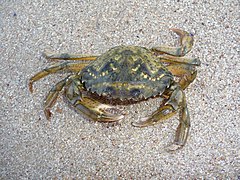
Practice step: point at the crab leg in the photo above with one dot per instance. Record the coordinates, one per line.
(176, 101)
(181, 67)
(66, 66)
(54, 92)
(179, 60)
(186, 43)
(67, 56)
(52, 97)
(186, 73)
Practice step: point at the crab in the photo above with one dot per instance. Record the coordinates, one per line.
(127, 73)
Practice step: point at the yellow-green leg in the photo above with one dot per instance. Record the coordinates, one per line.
(66, 66)
(186, 74)
(175, 102)
(67, 56)
(54, 92)
(52, 97)
(186, 43)
(179, 60)
(182, 67)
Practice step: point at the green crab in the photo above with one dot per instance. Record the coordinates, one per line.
(127, 73)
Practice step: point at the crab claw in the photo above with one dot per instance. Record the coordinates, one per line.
(106, 113)
(97, 111)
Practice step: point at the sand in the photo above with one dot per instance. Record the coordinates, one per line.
(70, 146)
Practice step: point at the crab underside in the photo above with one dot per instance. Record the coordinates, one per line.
(127, 73)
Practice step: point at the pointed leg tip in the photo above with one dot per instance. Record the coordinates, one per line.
(197, 62)
(173, 147)
(48, 114)
(30, 87)
(47, 54)
(44, 54)
(176, 30)
(135, 124)
(181, 33)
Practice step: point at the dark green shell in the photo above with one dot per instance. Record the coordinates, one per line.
(126, 72)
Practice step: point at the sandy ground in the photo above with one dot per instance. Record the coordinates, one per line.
(71, 146)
